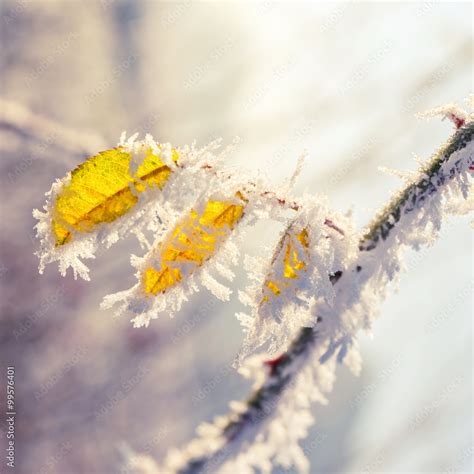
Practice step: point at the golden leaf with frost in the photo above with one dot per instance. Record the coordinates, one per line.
(193, 241)
(103, 188)
(295, 247)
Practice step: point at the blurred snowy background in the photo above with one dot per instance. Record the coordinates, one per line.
(342, 80)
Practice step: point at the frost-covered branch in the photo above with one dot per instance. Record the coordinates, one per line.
(266, 428)
(308, 296)
(432, 177)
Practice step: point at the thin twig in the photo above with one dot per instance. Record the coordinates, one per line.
(32, 126)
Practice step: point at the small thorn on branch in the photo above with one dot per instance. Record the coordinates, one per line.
(273, 364)
(456, 119)
(335, 276)
(331, 224)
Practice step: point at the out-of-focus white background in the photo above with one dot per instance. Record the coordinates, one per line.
(342, 80)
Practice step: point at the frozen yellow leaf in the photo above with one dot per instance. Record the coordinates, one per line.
(193, 241)
(102, 189)
(276, 280)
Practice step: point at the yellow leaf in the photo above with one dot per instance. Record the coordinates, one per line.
(193, 241)
(292, 264)
(103, 189)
